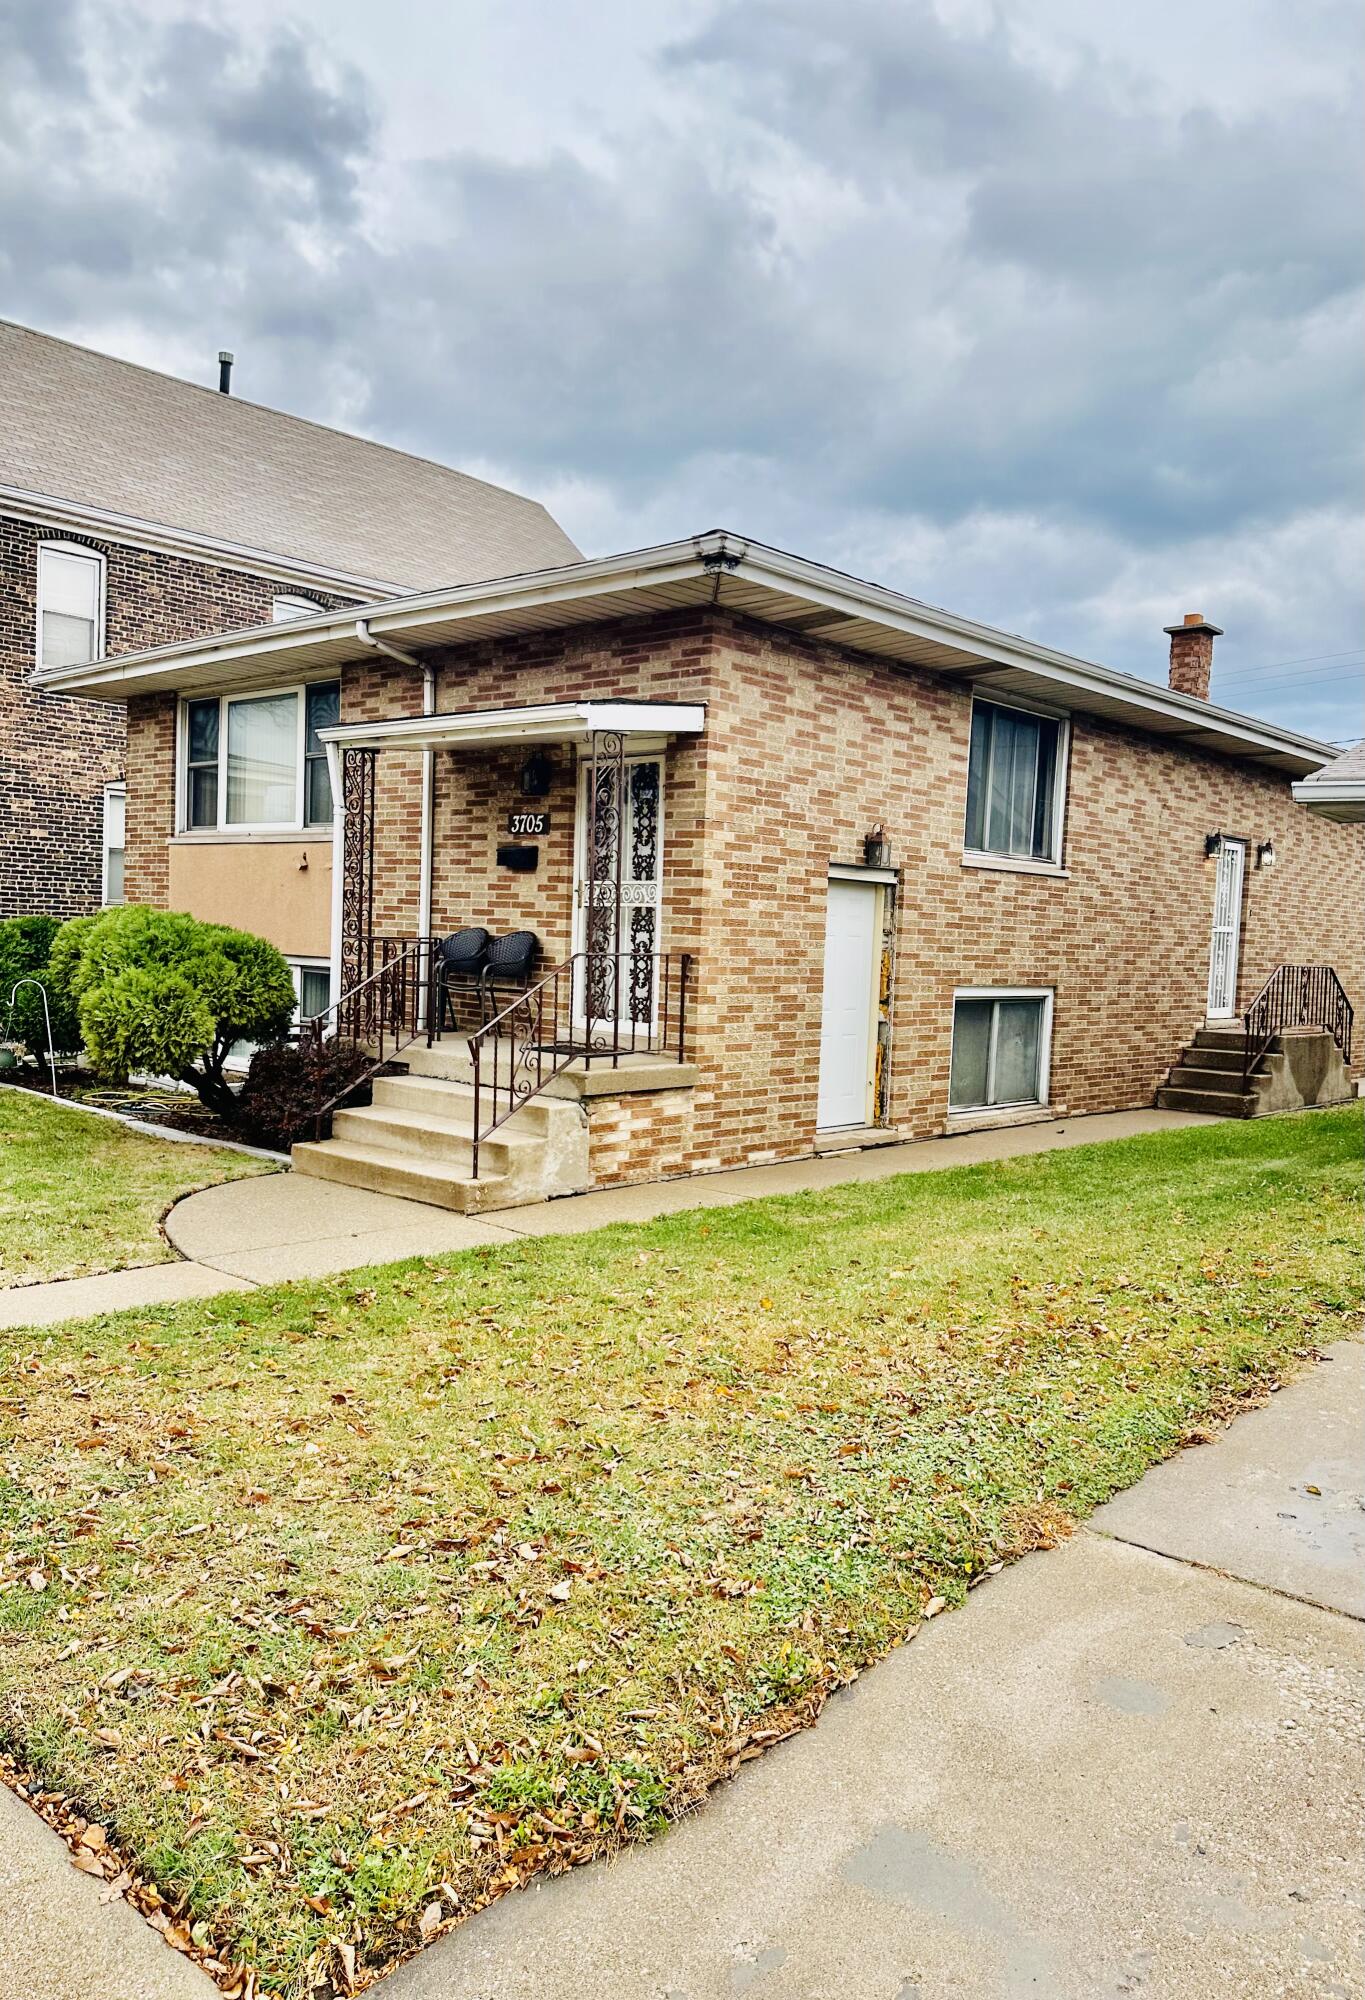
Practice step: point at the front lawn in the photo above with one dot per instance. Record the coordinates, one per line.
(341, 1607)
(80, 1194)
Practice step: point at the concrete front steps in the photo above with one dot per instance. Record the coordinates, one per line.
(1301, 1067)
(415, 1140)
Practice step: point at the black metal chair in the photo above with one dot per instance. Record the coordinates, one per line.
(506, 969)
(461, 962)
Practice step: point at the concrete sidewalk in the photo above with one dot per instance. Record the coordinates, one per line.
(1112, 1774)
(280, 1226)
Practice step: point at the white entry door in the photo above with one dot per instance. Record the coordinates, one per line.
(1227, 929)
(846, 1021)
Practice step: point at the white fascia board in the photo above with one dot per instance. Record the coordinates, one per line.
(715, 555)
(871, 602)
(131, 529)
(1318, 794)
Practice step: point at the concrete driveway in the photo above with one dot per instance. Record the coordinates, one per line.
(1118, 1774)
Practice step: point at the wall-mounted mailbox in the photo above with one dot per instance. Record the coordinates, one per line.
(520, 858)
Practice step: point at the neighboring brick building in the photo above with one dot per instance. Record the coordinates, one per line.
(929, 876)
(137, 510)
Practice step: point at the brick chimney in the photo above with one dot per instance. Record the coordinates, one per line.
(1192, 654)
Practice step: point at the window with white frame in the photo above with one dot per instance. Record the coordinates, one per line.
(284, 608)
(70, 605)
(313, 984)
(115, 808)
(1015, 783)
(255, 762)
(1001, 1048)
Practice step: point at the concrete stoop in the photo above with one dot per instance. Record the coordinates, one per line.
(1302, 1067)
(415, 1140)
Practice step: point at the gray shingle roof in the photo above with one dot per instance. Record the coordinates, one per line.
(1348, 768)
(82, 427)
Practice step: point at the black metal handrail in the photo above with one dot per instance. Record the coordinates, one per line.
(1297, 996)
(596, 1007)
(383, 1013)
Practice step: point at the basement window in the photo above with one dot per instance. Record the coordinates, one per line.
(70, 605)
(254, 763)
(1001, 1048)
(1015, 783)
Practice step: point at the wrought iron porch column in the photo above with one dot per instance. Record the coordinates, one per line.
(357, 867)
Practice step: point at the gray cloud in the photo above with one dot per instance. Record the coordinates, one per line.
(1007, 321)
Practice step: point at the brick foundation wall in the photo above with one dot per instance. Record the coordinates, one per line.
(58, 751)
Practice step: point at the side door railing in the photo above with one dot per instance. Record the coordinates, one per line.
(1297, 996)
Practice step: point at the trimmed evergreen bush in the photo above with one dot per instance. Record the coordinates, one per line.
(163, 992)
(26, 945)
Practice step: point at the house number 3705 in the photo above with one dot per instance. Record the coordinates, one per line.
(523, 825)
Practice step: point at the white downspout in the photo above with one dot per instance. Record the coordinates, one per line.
(426, 840)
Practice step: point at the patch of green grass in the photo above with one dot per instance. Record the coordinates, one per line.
(80, 1194)
(337, 1600)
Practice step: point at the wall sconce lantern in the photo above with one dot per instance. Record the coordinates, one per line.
(535, 775)
(876, 848)
(1213, 844)
(1265, 854)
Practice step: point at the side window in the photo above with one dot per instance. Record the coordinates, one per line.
(114, 812)
(70, 605)
(324, 710)
(201, 764)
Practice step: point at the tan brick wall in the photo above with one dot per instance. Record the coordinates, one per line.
(151, 799)
(660, 660)
(811, 748)
(805, 749)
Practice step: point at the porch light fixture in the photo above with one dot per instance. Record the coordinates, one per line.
(1265, 854)
(876, 848)
(1213, 844)
(535, 776)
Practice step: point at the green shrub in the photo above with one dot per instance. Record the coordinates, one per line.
(26, 945)
(160, 991)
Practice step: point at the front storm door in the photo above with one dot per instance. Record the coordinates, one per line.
(847, 1016)
(1224, 948)
(619, 891)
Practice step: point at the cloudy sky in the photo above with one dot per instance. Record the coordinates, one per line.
(1046, 311)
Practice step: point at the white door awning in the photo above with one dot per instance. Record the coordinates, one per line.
(545, 722)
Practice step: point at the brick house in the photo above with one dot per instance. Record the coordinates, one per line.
(811, 865)
(136, 509)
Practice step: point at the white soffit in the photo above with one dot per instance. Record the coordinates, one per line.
(717, 568)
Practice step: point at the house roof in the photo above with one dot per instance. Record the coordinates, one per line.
(1337, 791)
(718, 568)
(145, 451)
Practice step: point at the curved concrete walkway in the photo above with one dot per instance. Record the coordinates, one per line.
(279, 1226)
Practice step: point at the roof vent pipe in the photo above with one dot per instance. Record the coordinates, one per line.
(225, 360)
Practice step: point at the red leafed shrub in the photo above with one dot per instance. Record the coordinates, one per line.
(285, 1083)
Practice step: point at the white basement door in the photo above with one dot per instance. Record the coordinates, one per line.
(846, 1017)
